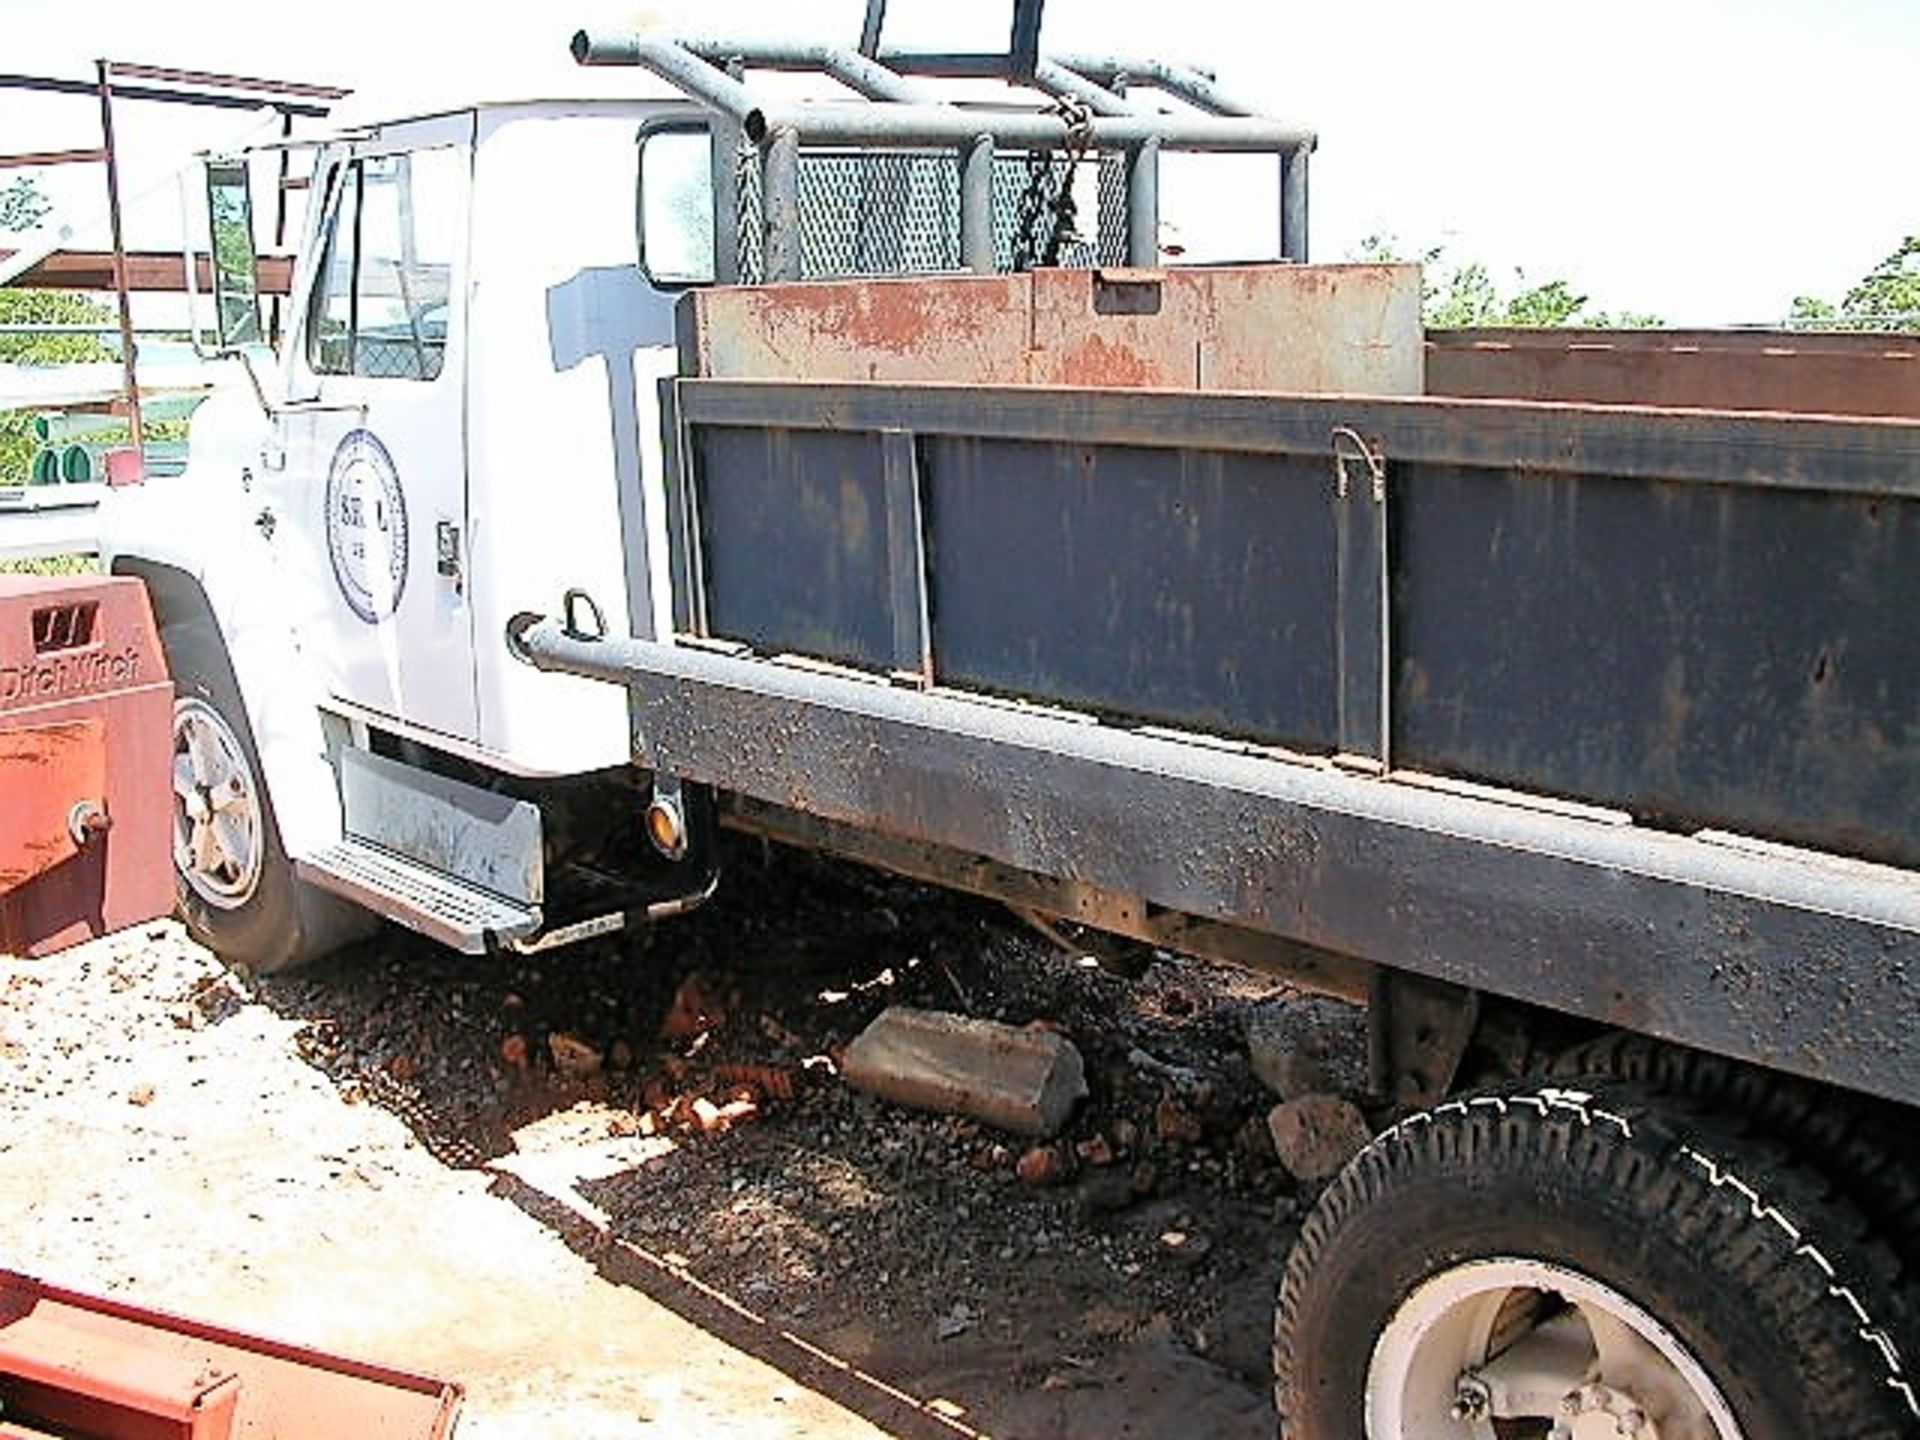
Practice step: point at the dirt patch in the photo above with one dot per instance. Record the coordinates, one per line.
(520, 1161)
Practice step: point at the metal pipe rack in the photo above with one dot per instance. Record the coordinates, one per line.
(1078, 105)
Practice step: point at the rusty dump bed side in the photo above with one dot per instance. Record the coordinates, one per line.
(1791, 372)
(1609, 708)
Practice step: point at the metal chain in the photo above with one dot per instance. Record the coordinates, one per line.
(1079, 120)
(1029, 250)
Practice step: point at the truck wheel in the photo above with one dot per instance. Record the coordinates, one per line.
(237, 891)
(1572, 1265)
(1850, 1139)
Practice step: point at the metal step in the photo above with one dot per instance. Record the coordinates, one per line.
(456, 914)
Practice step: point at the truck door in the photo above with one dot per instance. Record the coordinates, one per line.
(371, 472)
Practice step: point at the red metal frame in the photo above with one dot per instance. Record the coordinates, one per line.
(183, 87)
(86, 756)
(108, 1370)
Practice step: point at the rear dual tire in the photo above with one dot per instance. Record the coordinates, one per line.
(1674, 1279)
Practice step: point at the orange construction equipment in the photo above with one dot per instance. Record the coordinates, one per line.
(86, 753)
(79, 1367)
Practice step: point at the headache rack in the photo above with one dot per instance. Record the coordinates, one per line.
(903, 180)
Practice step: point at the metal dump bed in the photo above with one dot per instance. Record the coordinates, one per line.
(1606, 708)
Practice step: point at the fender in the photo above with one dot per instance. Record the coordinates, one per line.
(191, 537)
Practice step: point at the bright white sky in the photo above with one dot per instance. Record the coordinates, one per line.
(1705, 160)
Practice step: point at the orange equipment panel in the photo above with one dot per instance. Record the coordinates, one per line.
(86, 758)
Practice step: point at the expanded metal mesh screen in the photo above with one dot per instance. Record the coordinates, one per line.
(897, 212)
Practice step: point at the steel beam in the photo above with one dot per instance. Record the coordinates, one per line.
(911, 123)
(54, 85)
(1143, 204)
(1294, 217)
(34, 159)
(1183, 81)
(147, 270)
(857, 71)
(780, 205)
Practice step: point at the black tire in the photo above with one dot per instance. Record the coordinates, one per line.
(1757, 1270)
(277, 921)
(1854, 1140)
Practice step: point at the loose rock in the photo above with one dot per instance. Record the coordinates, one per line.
(701, 1004)
(1026, 1081)
(1316, 1135)
(1174, 1123)
(573, 1057)
(1308, 1045)
(1043, 1165)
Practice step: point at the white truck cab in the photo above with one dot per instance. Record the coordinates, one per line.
(466, 374)
(460, 423)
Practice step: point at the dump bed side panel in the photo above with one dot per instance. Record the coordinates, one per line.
(1740, 657)
(1700, 620)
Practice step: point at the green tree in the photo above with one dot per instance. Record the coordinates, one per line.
(1887, 297)
(22, 206)
(1465, 296)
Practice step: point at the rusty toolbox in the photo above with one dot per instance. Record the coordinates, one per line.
(85, 753)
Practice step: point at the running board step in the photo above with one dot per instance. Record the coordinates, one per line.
(456, 914)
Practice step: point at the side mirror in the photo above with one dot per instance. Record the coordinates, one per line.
(676, 207)
(236, 269)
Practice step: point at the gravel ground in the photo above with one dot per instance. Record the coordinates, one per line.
(619, 1190)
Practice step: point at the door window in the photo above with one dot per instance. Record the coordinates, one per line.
(382, 305)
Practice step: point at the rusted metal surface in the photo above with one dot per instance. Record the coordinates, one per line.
(210, 80)
(1790, 371)
(47, 773)
(1799, 962)
(34, 159)
(1289, 329)
(146, 271)
(1637, 655)
(1343, 329)
(82, 1365)
(86, 757)
(222, 99)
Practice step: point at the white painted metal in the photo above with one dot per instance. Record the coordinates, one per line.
(569, 342)
(543, 415)
(1599, 1365)
(201, 523)
(478, 836)
(364, 469)
(37, 521)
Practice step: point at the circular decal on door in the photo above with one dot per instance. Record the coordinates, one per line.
(367, 526)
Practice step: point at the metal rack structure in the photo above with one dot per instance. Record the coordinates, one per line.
(778, 164)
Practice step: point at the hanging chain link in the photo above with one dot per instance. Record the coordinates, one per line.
(1043, 193)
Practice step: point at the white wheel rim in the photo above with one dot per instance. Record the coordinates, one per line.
(217, 822)
(1635, 1378)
